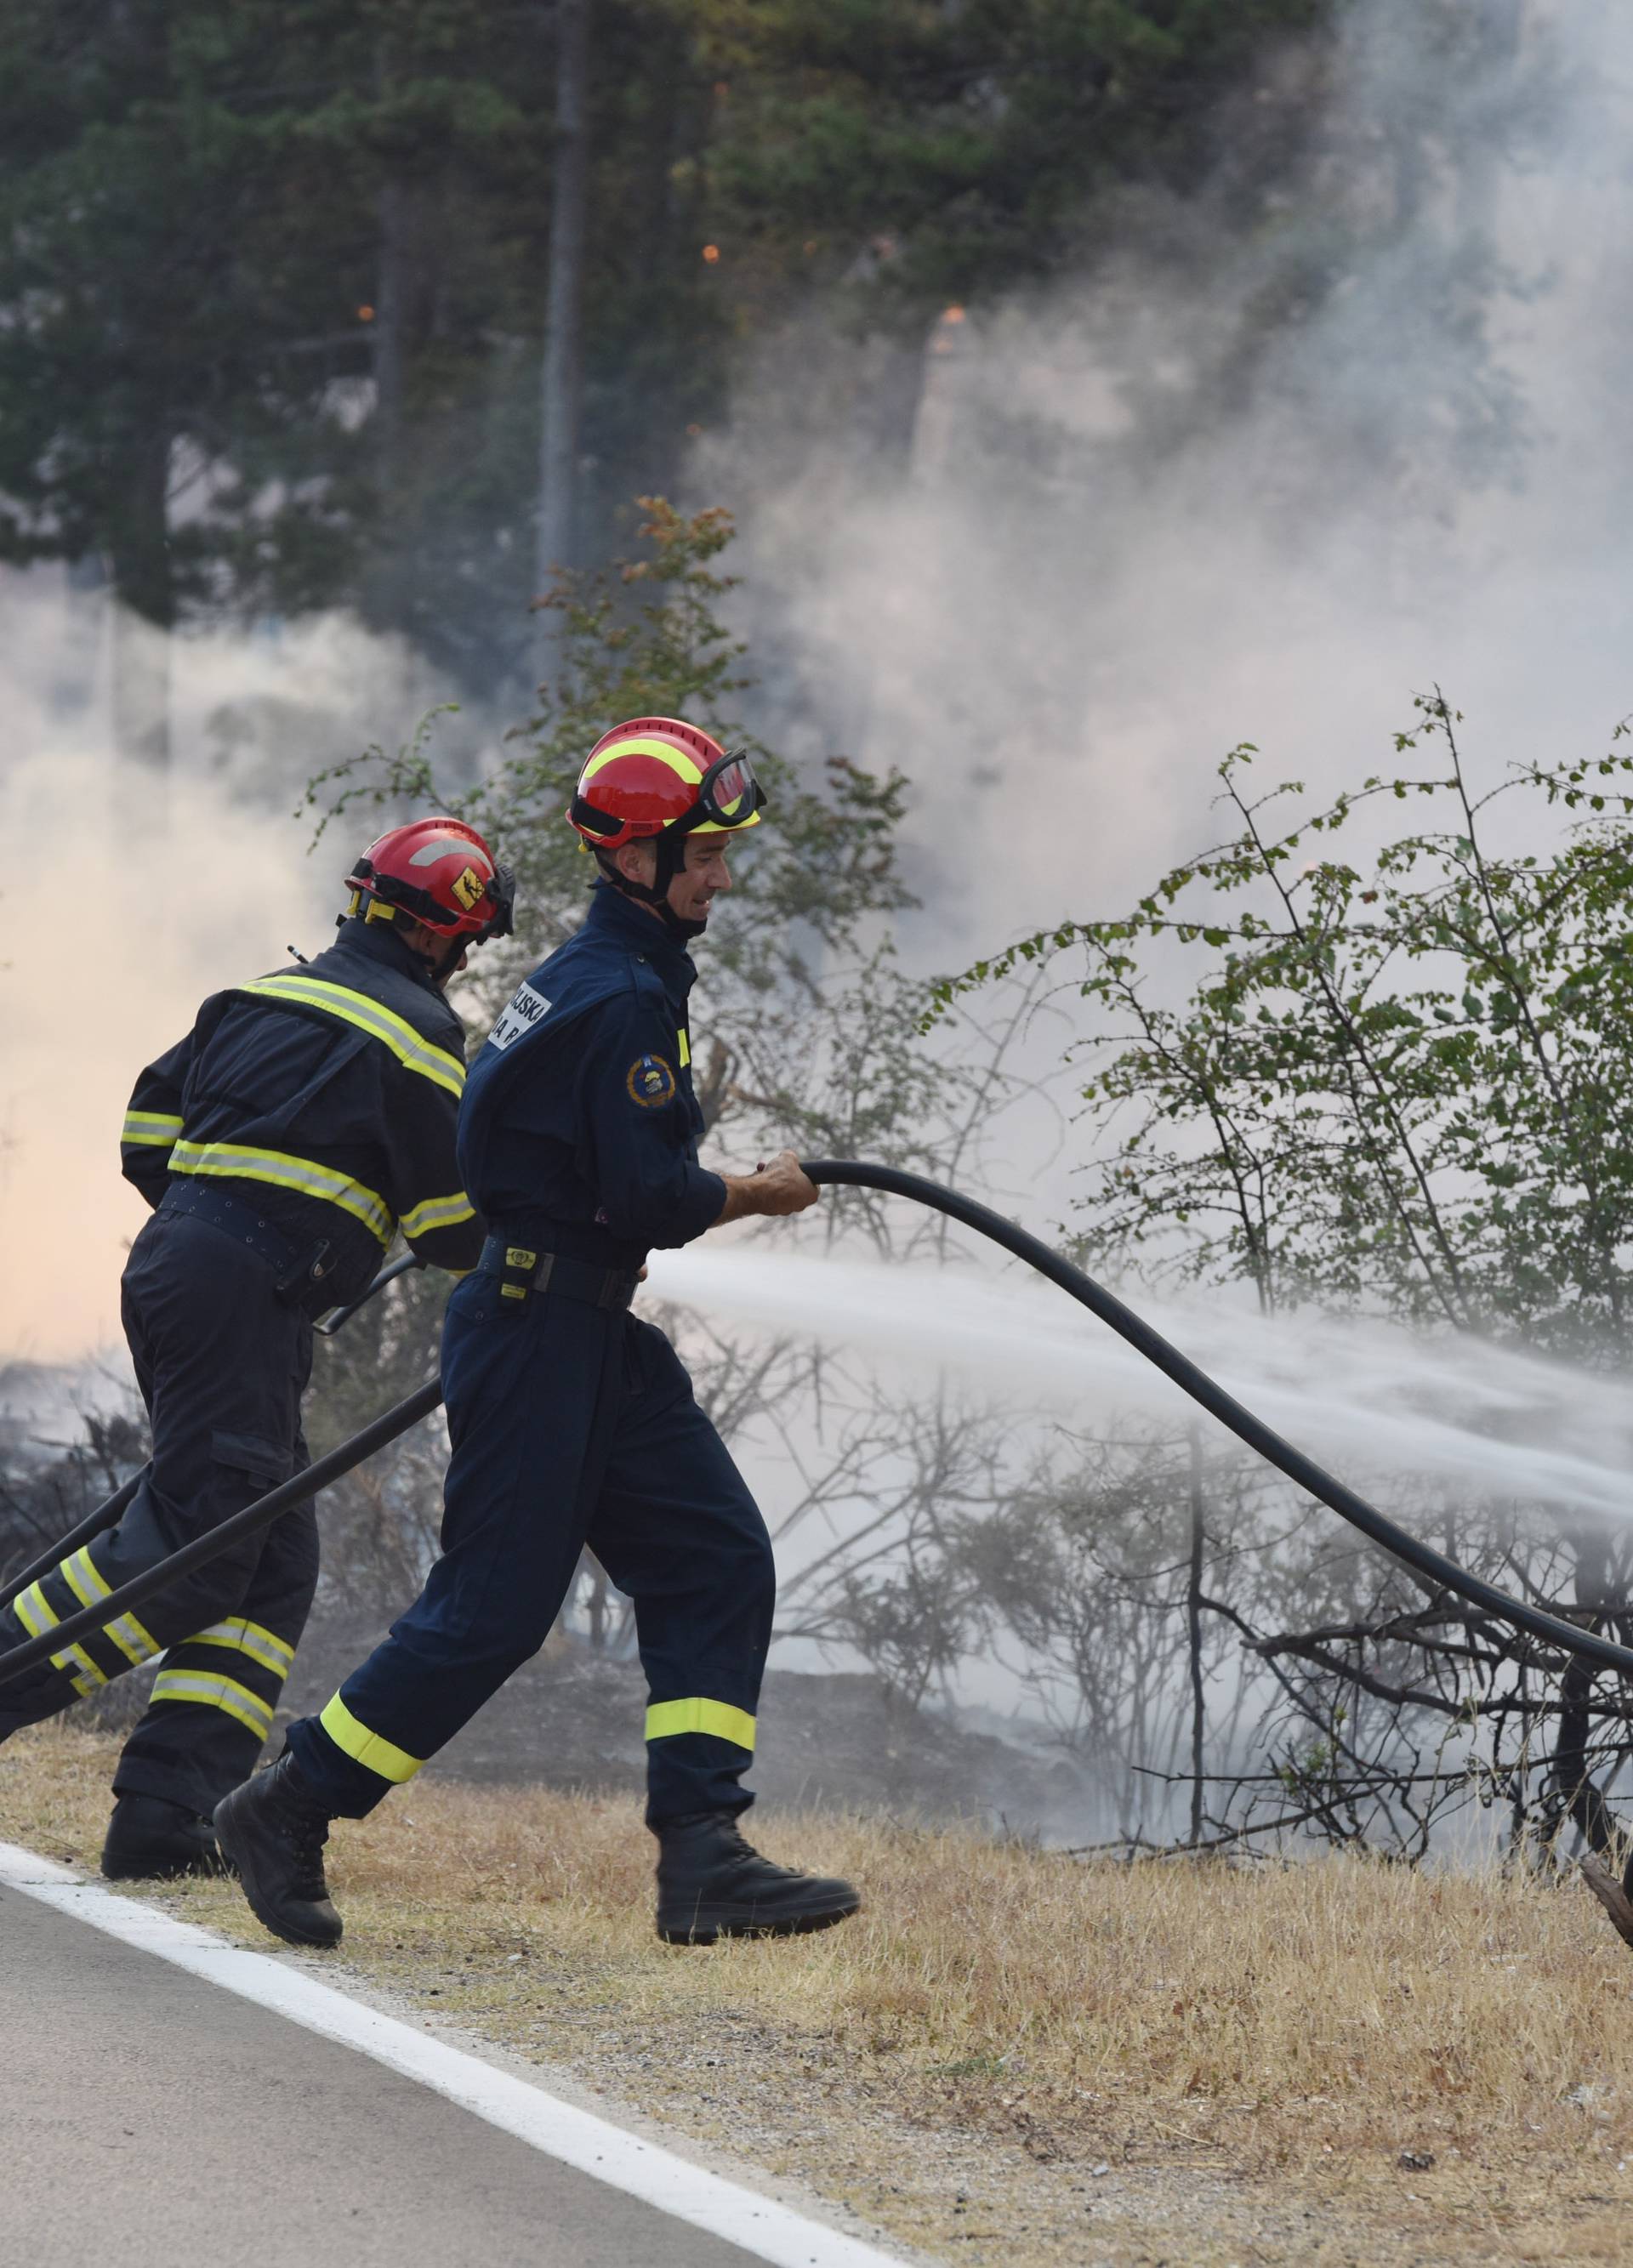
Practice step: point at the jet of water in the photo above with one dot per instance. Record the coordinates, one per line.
(1365, 1397)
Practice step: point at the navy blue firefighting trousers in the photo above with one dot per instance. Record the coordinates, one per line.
(570, 1425)
(222, 1364)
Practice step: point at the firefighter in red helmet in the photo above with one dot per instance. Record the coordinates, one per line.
(572, 1420)
(306, 1117)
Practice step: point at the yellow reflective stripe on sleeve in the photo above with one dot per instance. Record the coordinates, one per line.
(237, 1161)
(34, 1611)
(225, 1693)
(665, 1719)
(262, 1645)
(365, 1748)
(79, 1572)
(436, 1212)
(411, 1050)
(685, 1049)
(154, 1127)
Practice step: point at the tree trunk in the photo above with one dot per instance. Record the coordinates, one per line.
(1193, 1629)
(387, 337)
(562, 380)
(143, 591)
(1578, 1796)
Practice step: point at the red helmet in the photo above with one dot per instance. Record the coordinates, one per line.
(438, 872)
(661, 776)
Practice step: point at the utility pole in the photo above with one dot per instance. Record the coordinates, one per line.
(561, 384)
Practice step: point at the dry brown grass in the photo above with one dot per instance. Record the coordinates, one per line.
(1014, 2053)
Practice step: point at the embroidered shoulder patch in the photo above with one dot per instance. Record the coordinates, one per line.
(649, 1083)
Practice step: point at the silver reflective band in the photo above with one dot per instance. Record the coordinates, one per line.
(238, 1161)
(394, 1032)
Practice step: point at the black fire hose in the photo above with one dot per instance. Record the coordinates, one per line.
(94, 1523)
(890, 1181)
(202, 1548)
(402, 1266)
(107, 1514)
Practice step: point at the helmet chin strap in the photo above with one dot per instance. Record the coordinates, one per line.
(670, 853)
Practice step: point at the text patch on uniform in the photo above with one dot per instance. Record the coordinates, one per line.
(649, 1082)
(527, 1009)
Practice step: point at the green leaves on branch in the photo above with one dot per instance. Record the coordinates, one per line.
(794, 947)
(1402, 1078)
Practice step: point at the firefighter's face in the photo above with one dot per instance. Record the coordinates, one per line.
(700, 881)
(703, 878)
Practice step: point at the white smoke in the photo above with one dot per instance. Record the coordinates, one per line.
(128, 896)
(1144, 518)
(1141, 520)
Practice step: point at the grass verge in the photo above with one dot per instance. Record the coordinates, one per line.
(1011, 2056)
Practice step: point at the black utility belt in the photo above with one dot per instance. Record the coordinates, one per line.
(522, 1268)
(301, 1279)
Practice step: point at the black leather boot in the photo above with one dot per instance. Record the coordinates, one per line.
(712, 1883)
(150, 1840)
(273, 1830)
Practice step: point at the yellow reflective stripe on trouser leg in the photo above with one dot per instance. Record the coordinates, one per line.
(34, 1611)
(224, 1693)
(239, 1161)
(410, 1048)
(262, 1645)
(79, 1572)
(665, 1719)
(365, 1748)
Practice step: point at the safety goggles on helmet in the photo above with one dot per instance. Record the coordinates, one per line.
(728, 795)
(502, 897)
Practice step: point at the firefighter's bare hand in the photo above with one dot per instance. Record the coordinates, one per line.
(782, 1186)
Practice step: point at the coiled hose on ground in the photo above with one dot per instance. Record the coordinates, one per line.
(891, 1181)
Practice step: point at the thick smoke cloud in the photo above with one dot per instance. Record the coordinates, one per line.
(1256, 482)
(128, 896)
(1231, 482)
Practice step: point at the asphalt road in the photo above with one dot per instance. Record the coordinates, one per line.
(150, 2118)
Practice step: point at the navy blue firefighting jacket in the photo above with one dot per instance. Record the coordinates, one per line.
(326, 1096)
(579, 1130)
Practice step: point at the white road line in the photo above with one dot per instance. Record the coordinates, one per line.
(758, 2225)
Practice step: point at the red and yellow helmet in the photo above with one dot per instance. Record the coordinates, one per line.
(659, 775)
(438, 872)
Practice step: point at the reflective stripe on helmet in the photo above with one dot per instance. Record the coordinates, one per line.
(467, 847)
(665, 1719)
(394, 1032)
(409, 866)
(238, 1161)
(680, 761)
